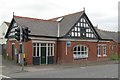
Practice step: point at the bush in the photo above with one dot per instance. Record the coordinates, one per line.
(114, 57)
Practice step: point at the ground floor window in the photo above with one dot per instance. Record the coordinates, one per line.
(37, 49)
(43, 53)
(113, 48)
(101, 50)
(13, 51)
(21, 48)
(80, 51)
(98, 51)
(104, 50)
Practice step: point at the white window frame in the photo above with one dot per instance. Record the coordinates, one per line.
(50, 47)
(80, 55)
(104, 51)
(35, 50)
(99, 51)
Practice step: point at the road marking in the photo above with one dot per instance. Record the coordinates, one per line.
(105, 76)
(3, 76)
(83, 67)
(2, 66)
(36, 69)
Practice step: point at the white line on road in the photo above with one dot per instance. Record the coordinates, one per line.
(3, 76)
(2, 66)
(83, 67)
(31, 69)
(105, 76)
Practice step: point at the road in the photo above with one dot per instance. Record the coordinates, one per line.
(0, 66)
(1, 76)
(12, 70)
(98, 71)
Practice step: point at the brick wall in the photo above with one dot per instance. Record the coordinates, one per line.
(118, 49)
(60, 54)
(92, 51)
(27, 49)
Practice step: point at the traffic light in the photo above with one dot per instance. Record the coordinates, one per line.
(22, 35)
(26, 32)
(17, 34)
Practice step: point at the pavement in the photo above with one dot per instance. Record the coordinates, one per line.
(9, 67)
(98, 71)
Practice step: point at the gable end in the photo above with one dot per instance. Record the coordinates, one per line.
(82, 29)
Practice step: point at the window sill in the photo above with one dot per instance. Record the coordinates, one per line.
(104, 55)
(99, 56)
(80, 58)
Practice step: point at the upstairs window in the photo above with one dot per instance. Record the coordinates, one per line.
(82, 29)
(80, 51)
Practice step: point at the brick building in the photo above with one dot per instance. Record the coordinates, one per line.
(67, 39)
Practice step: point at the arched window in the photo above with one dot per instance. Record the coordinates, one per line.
(80, 51)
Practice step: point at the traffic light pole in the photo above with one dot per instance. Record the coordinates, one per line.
(21, 33)
(22, 56)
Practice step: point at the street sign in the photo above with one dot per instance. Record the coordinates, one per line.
(68, 43)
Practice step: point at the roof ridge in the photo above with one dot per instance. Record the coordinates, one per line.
(65, 15)
(33, 18)
(47, 19)
(103, 30)
(106, 30)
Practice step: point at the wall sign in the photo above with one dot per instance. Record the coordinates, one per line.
(68, 43)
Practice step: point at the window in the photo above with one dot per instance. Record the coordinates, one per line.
(98, 51)
(104, 51)
(102, 47)
(50, 49)
(15, 24)
(82, 28)
(37, 49)
(113, 48)
(80, 51)
(20, 48)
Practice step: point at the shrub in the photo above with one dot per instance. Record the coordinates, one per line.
(114, 57)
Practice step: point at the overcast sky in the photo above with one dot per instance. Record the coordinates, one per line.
(103, 13)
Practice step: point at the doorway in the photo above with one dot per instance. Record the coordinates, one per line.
(13, 51)
(43, 55)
